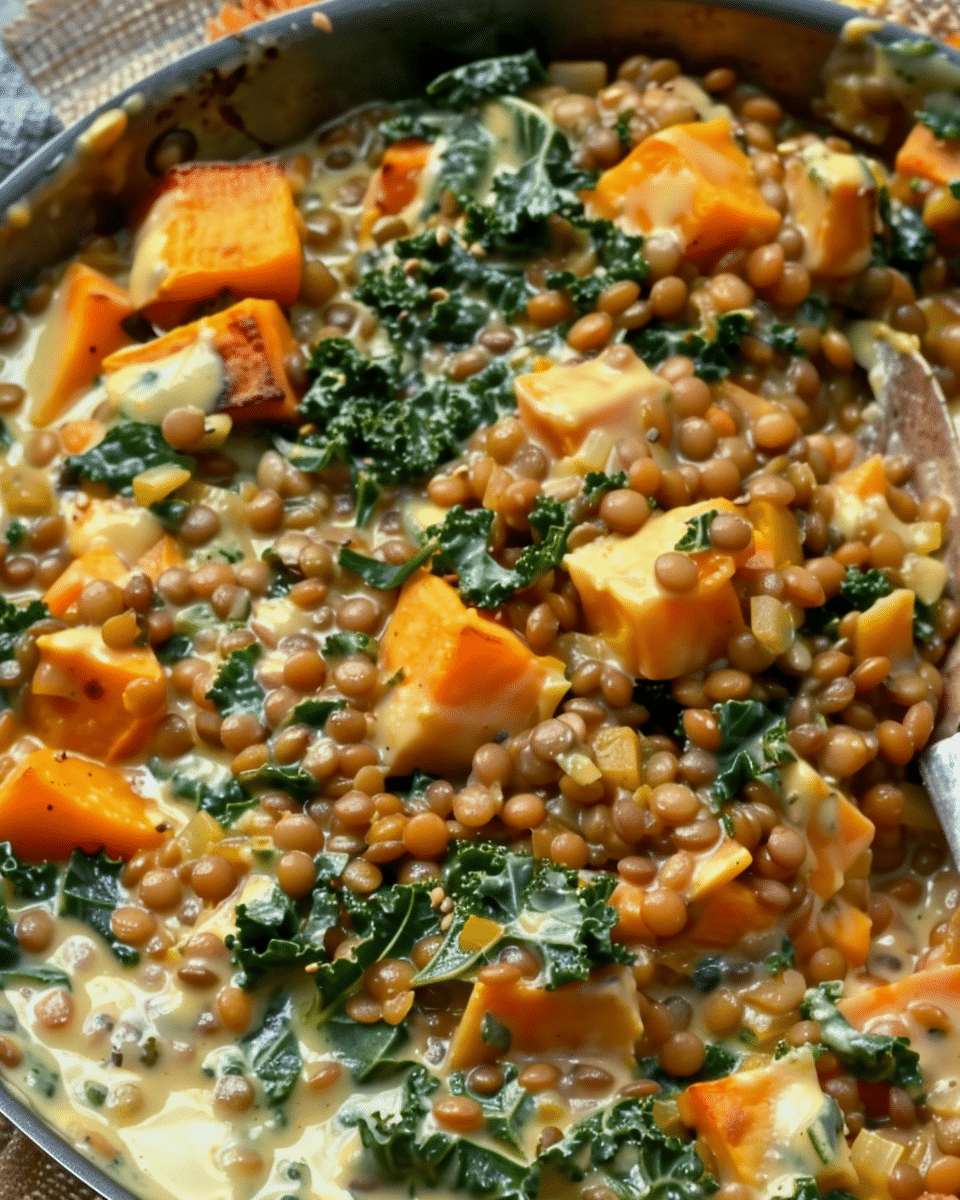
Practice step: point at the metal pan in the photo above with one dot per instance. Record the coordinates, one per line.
(257, 91)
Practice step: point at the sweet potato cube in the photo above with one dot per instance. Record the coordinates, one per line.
(616, 751)
(565, 403)
(76, 698)
(99, 562)
(217, 227)
(925, 156)
(627, 899)
(395, 185)
(762, 1123)
(465, 679)
(659, 635)
(695, 180)
(161, 556)
(837, 831)
(550, 1022)
(725, 915)
(886, 628)
(833, 199)
(82, 327)
(52, 804)
(779, 528)
(847, 928)
(251, 339)
(717, 867)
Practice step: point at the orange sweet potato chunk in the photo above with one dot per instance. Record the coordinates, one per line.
(695, 180)
(76, 700)
(550, 1022)
(925, 156)
(833, 199)
(658, 634)
(395, 185)
(99, 562)
(253, 339)
(52, 804)
(465, 679)
(83, 326)
(217, 227)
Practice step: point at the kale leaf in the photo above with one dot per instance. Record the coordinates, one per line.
(365, 415)
(235, 688)
(906, 242)
(299, 784)
(505, 1111)
(367, 1051)
(619, 257)
(623, 1149)
(461, 543)
(714, 352)
(873, 1057)
(91, 893)
(718, 1062)
(514, 220)
(471, 84)
(226, 801)
(315, 712)
(754, 745)
(380, 574)
(924, 629)
(404, 1148)
(340, 645)
(272, 1051)
(271, 934)
(596, 483)
(507, 898)
(697, 536)
(14, 620)
(29, 882)
(782, 959)
(941, 115)
(12, 966)
(125, 451)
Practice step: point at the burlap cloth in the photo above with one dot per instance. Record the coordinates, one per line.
(79, 53)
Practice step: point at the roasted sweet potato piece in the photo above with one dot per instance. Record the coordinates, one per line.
(53, 803)
(83, 326)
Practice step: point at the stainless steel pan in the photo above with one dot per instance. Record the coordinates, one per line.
(272, 85)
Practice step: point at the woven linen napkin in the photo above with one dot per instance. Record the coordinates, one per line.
(62, 59)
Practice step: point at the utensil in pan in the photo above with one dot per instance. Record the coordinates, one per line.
(912, 418)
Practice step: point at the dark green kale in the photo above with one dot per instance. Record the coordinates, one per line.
(753, 747)
(462, 549)
(621, 126)
(315, 712)
(16, 619)
(403, 1147)
(623, 1149)
(924, 629)
(941, 115)
(366, 416)
(413, 119)
(858, 591)
(534, 903)
(955, 189)
(813, 311)
(174, 649)
(782, 959)
(29, 882)
(91, 892)
(341, 645)
(367, 1051)
(783, 339)
(514, 221)
(906, 242)
(806, 1189)
(714, 353)
(170, 513)
(697, 536)
(506, 1111)
(15, 534)
(619, 257)
(271, 934)
(235, 688)
(708, 974)
(126, 450)
(447, 263)
(597, 483)
(272, 1051)
(14, 969)
(388, 924)
(380, 574)
(367, 494)
(873, 1057)
(226, 802)
(656, 696)
(471, 84)
(718, 1062)
(297, 783)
